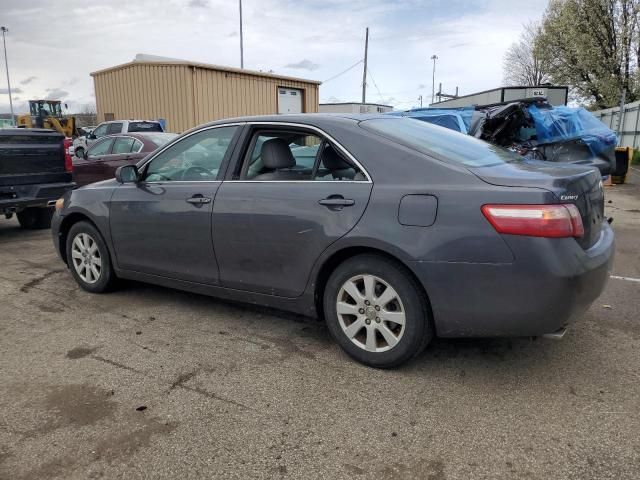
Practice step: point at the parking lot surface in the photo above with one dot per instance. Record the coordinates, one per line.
(147, 382)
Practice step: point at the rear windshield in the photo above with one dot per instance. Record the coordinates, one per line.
(440, 143)
(144, 127)
(160, 139)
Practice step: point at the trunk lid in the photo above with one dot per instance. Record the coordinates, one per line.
(31, 156)
(581, 186)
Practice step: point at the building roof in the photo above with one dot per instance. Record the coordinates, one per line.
(497, 89)
(142, 59)
(357, 103)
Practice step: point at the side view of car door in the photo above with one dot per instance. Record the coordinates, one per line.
(291, 193)
(125, 151)
(161, 224)
(99, 132)
(90, 168)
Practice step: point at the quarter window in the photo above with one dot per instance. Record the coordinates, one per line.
(197, 157)
(137, 146)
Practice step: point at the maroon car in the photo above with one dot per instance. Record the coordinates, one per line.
(107, 154)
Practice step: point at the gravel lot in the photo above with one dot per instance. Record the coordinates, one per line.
(147, 382)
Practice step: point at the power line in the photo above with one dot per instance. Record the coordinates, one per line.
(344, 71)
(376, 85)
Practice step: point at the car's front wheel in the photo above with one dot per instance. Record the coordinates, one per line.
(88, 258)
(376, 311)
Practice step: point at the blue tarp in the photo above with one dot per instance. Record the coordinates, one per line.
(458, 119)
(564, 123)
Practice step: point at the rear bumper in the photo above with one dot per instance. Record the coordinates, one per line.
(18, 197)
(551, 282)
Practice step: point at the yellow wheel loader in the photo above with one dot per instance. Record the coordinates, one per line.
(48, 114)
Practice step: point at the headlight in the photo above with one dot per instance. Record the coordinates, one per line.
(60, 203)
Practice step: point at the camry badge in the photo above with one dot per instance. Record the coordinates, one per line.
(568, 197)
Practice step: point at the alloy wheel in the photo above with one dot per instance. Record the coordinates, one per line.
(86, 259)
(370, 313)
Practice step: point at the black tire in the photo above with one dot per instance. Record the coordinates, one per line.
(35, 218)
(79, 150)
(106, 278)
(418, 329)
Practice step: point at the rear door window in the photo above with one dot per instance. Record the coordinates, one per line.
(114, 128)
(281, 155)
(122, 145)
(144, 127)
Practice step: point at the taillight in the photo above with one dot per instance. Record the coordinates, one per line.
(68, 162)
(554, 221)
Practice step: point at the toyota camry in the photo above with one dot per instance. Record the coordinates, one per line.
(390, 229)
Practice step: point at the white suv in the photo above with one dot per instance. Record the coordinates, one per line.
(119, 126)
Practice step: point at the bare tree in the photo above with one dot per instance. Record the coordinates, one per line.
(522, 62)
(89, 109)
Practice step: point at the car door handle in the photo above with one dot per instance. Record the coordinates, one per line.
(336, 202)
(198, 200)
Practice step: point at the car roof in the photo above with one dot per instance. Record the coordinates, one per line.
(130, 120)
(304, 118)
(139, 136)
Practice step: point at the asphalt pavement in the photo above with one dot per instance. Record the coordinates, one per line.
(147, 382)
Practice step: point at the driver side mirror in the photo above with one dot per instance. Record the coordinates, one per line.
(127, 174)
(91, 136)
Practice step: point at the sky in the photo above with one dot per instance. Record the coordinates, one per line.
(53, 45)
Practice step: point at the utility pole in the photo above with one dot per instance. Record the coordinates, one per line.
(6, 63)
(364, 73)
(420, 98)
(434, 57)
(241, 39)
(621, 112)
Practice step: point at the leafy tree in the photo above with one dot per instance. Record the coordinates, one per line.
(523, 64)
(594, 47)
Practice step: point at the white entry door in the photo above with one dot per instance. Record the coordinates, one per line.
(289, 100)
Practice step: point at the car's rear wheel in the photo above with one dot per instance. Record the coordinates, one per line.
(376, 311)
(35, 218)
(88, 258)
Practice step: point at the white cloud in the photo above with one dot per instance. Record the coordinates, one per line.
(469, 36)
(303, 65)
(28, 80)
(56, 94)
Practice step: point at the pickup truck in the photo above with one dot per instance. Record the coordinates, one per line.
(35, 170)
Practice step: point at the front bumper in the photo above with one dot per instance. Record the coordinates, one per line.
(551, 282)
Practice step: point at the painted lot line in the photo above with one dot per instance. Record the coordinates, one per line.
(628, 279)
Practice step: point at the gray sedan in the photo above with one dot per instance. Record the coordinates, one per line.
(391, 229)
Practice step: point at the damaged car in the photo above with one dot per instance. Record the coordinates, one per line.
(532, 128)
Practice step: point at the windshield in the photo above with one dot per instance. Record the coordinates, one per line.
(440, 143)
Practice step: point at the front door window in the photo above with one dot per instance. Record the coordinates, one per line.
(197, 157)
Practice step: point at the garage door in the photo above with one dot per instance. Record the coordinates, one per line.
(289, 100)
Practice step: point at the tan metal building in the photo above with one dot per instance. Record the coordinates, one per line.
(187, 94)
